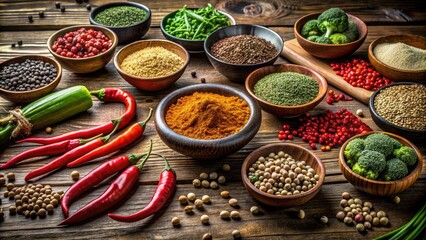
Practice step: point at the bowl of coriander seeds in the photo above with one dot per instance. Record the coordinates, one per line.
(282, 174)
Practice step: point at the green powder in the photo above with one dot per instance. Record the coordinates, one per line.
(286, 89)
(120, 16)
(400, 55)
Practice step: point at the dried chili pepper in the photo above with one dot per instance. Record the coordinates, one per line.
(130, 135)
(105, 95)
(163, 192)
(70, 156)
(47, 150)
(118, 189)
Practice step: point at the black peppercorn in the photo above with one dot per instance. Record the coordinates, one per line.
(30, 18)
(58, 5)
(89, 7)
(79, 1)
(20, 42)
(203, 80)
(13, 45)
(63, 9)
(194, 74)
(41, 14)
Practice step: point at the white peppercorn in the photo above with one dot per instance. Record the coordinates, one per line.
(254, 210)
(235, 214)
(324, 219)
(196, 182)
(233, 202)
(224, 214)
(198, 203)
(183, 199)
(221, 179)
(175, 221)
(204, 219)
(301, 214)
(191, 196)
(213, 176)
(236, 234)
(206, 199)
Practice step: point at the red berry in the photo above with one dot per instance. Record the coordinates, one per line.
(289, 137)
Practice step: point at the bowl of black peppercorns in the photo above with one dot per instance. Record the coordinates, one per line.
(26, 78)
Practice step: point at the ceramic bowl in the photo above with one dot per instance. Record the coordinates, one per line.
(329, 51)
(375, 187)
(153, 83)
(19, 97)
(388, 126)
(286, 111)
(394, 73)
(207, 149)
(84, 65)
(296, 152)
(192, 46)
(125, 34)
(239, 72)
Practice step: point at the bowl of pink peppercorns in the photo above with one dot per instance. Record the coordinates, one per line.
(83, 48)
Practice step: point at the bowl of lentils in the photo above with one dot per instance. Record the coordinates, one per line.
(286, 90)
(400, 108)
(26, 78)
(130, 21)
(282, 174)
(236, 51)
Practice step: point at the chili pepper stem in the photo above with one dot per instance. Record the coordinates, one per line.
(140, 165)
(84, 141)
(99, 94)
(143, 123)
(116, 124)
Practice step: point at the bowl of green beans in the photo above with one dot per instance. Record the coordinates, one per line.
(189, 27)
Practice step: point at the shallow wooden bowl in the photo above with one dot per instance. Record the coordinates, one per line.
(286, 111)
(329, 51)
(19, 97)
(153, 83)
(394, 73)
(84, 65)
(296, 152)
(207, 149)
(375, 187)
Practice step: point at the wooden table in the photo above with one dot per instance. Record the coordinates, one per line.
(382, 18)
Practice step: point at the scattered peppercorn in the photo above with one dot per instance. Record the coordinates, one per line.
(235, 214)
(2, 181)
(203, 80)
(226, 167)
(175, 221)
(254, 210)
(20, 42)
(183, 199)
(196, 183)
(207, 236)
(213, 185)
(198, 203)
(75, 175)
(224, 214)
(221, 179)
(236, 234)
(13, 45)
(191, 196)
(48, 130)
(224, 194)
(63, 9)
(30, 18)
(233, 202)
(396, 199)
(10, 186)
(359, 112)
(58, 5)
(206, 199)
(301, 214)
(194, 74)
(41, 14)
(88, 7)
(204, 219)
(188, 209)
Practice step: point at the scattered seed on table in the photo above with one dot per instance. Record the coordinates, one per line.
(204, 219)
(346, 195)
(221, 179)
(214, 185)
(191, 196)
(376, 221)
(343, 203)
(75, 175)
(226, 167)
(233, 202)
(89, 7)
(360, 227)
(63, 9)
(206, 199)
(198, 203)
(213, 175)
(236, 234)
(301, 214)
(204, 176)
(49, 207)
(359, 112)
(396, 199)
(205, 183)
(2, 181)
(12, 210)
(188, 209)
(207, 236)
(175, 221)
(42, 213)
(367, 225)
(194, 74)
(33, 214)
(20, 42)
(10, 176)
(254, 210)
(48, 130)
(183, 199)
(196, 182)
(203, 80)
(13, 45)
(41, 14)
(11, 195)
(57, 4)
(224, 214)
(224, 194)
(324, 219)
(30, 18)
(54, 202)
(348, 220)
(235, 214)
(381, 214)
(1, 213)
(384, 221)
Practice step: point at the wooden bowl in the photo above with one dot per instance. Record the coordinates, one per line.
(153, 83)
(296, 152)
(286, 111)
(192, 46)
(385, 125)
(20, 97)
(125, 34)
(84, 65)
(207, 149)
(329, 51)
(239, 72)
(375, 187)
(394, 73)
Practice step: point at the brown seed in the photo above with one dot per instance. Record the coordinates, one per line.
(198, 203)
(1, 213)
(27, 213)
(175, 221)
(224, 194)
(10, 176)
(18, 202)
(12, 210)
(188, 209)
(46, 201)
(2, 181)
(57, 196)
(36, 208)
(33, 214)
(19, 209)
(48, 130)
(42, 213)
(60, 192)
(49, 207)
(194, 74)
(10, 186)
(213, 185)
(11, 195)
(30, 206)
(6, 193)
(235, 214)
(204, 219)
(54, 202)
(205, 183)
(207, 236)
(39, 203)
(183, 199)
(233, 202)
(203, 80)
(75, 175)
(196, 182)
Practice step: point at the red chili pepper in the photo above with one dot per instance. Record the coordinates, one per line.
(163, 192)
(105, 95)
(47, 150)
(69, 156)
(118, 189)
(123, 140)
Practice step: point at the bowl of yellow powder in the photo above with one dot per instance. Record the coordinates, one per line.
(401, 58)
(151, 65)
(207, 121)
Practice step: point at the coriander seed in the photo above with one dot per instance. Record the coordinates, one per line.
(206, 199)
(376, 221)
(254, 210)
(191, 196)
(213, 185)
(10, 176)
(224, 194)
(301, 214)
(226, 167)
(224, 214)
(204, 219)
(236, 234)
(75, 175)
(233, 202)
(183, 199)
(205, 184)
(381, 214)
(235, 214)
(196, 183)
(33, 214)
(188, 209)
(10, 186)
(175, 221)
(198, 203)
(42, 213)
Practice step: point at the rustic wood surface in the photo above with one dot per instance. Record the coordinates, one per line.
(382, 18)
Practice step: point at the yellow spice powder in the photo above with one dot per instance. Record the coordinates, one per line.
(152, 62)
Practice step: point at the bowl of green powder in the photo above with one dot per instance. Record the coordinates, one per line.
(400, 57)
(130, 21)
(286, 90)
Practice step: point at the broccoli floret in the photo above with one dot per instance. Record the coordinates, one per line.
(339, 38)
(332, 20)
(396, 143)
(353, 150)
(312, 38)
(370, 164)
(379, 142)
(310, 29)
(352, 32)
(323, 40)
(395, 169)
(406, 155)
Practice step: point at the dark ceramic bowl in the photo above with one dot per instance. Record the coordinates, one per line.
(385, 125)
(31, 95)
(192, 46)
(125, 34)
(239, 72)
(296, 152)
(207, 149)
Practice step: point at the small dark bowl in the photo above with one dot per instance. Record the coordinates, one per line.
(329, 51)
(207, 149)
(125, 34)
(239, 72)
(192, 46)
(31, 95)
(385, 125)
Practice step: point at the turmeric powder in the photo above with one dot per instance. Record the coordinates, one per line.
(207, 115)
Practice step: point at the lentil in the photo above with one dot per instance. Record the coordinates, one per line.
(175, 221)
(243, 49)
(121, 16)
(401, 56)
(152, 62)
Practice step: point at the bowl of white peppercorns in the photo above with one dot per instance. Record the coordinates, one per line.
(26, 78)
(282, 174)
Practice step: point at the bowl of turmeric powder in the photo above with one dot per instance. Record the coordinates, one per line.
(207, 121)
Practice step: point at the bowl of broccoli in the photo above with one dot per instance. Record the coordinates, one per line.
(330, 34)
(380, 163)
